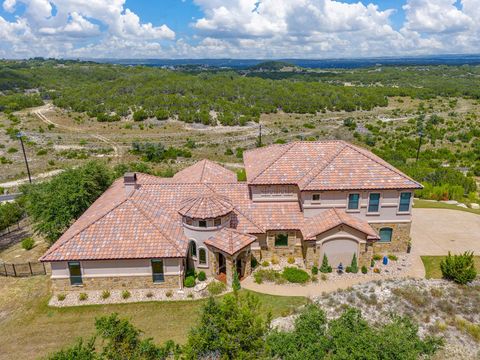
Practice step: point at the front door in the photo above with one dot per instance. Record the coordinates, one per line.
(222, 266)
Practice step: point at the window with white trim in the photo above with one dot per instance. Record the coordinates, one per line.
(353, 201)
(404, 203)
(202, 256)
(374, 203)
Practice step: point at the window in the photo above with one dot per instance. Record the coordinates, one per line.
(75, 273)
(316, 197)
(193, 248)
(386, 234)
(374, 203)
(202, 256)
(281, 240)
(217, 222)
(353, 201)
(157, 271)
(202, 223)
(189, 221)
(404, 205)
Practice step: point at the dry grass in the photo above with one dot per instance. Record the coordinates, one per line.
(29, 328)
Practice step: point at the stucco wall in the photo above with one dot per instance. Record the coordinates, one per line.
(389, 202)
(116, 268)
(274, 192)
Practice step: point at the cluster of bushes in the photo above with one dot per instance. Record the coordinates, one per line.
(237, 327)
(191, 276)
(10, 214)
(156, 152)
(290, 274)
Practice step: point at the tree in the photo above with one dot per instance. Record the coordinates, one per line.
(236, 281)
(10, 213)
(325, 268)
(354, 265)
(79, 351)
(55, 204)
(231, 328)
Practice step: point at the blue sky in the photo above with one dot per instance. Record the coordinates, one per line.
(237, 28)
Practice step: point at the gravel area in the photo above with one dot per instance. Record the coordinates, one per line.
(94, 297)
(439, 307)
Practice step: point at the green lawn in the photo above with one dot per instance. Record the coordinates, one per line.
(432, 266)
(439, 205)
(31, 329)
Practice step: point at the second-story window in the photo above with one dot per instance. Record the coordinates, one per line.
(353, 201)
(217, 222)
(316, 197)
(404, 205)
(374, 203)
(202, 223)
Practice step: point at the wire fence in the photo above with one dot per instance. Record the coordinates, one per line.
(22, 269)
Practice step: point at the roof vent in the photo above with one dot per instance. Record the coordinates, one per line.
(130, 182)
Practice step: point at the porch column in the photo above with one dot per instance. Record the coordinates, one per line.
(229, 262)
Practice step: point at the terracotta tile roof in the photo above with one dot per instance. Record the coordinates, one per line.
(332, 218)
(205, 171)
(230, 241)
(323, 165)
(205, 206)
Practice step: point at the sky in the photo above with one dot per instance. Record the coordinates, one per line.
(246, 29)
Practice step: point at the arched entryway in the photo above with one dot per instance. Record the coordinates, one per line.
(222, 263)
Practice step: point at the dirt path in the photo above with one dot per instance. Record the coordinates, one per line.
(41, 176)
(41, 116)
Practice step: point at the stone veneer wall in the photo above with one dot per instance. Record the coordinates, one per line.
(294, 247)
(400, 237)
(117, 283)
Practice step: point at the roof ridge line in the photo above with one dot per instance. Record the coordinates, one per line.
(155, 225)
(325, 166)
(203, 169)
(390, 167)
(287, 148)
(52, 249)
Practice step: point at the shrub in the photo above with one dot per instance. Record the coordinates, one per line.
(216, 288)
(324, 277)
(149, 294)
(372, 263)
(61, 297)
(267, 275)
(295, 275)
(314, 278)
(348, 269)
(126, 294)
(202, 276)
(325, 268)
(190, 296)
(191, 272)
(354, 265)
(392, 257)
(253, 262)
(105, 294)
(265, 263)
(275, 260)
(291, 260)
(83, 296)
(189, 282)
(459, 268)
(364, 269)
(377, 257)
(28, 243)
(169, 294)
(314, 270)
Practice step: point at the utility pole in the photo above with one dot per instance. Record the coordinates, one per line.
(260, 136)
(20, 136)
(419, 144)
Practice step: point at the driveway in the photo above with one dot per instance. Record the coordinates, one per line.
(437, 231)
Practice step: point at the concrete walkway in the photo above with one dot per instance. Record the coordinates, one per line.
(434, 232)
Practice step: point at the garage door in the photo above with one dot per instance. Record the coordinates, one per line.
(339, 251)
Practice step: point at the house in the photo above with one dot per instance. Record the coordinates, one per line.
(301, 200)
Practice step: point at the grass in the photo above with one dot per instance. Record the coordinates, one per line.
(432, 266)
(439, 205)
(32, 329)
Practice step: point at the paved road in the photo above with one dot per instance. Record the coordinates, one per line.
(437, 231)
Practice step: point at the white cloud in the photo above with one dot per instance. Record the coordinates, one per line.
(241, 28)
(63, 27)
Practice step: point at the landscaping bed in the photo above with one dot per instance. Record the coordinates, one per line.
(100, 297)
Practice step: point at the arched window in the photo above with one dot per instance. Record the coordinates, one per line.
(202, 256)
(386, 234)
(193, 248)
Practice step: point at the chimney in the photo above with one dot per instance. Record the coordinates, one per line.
(130, 182)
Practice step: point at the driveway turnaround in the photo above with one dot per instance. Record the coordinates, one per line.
(438, 231)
